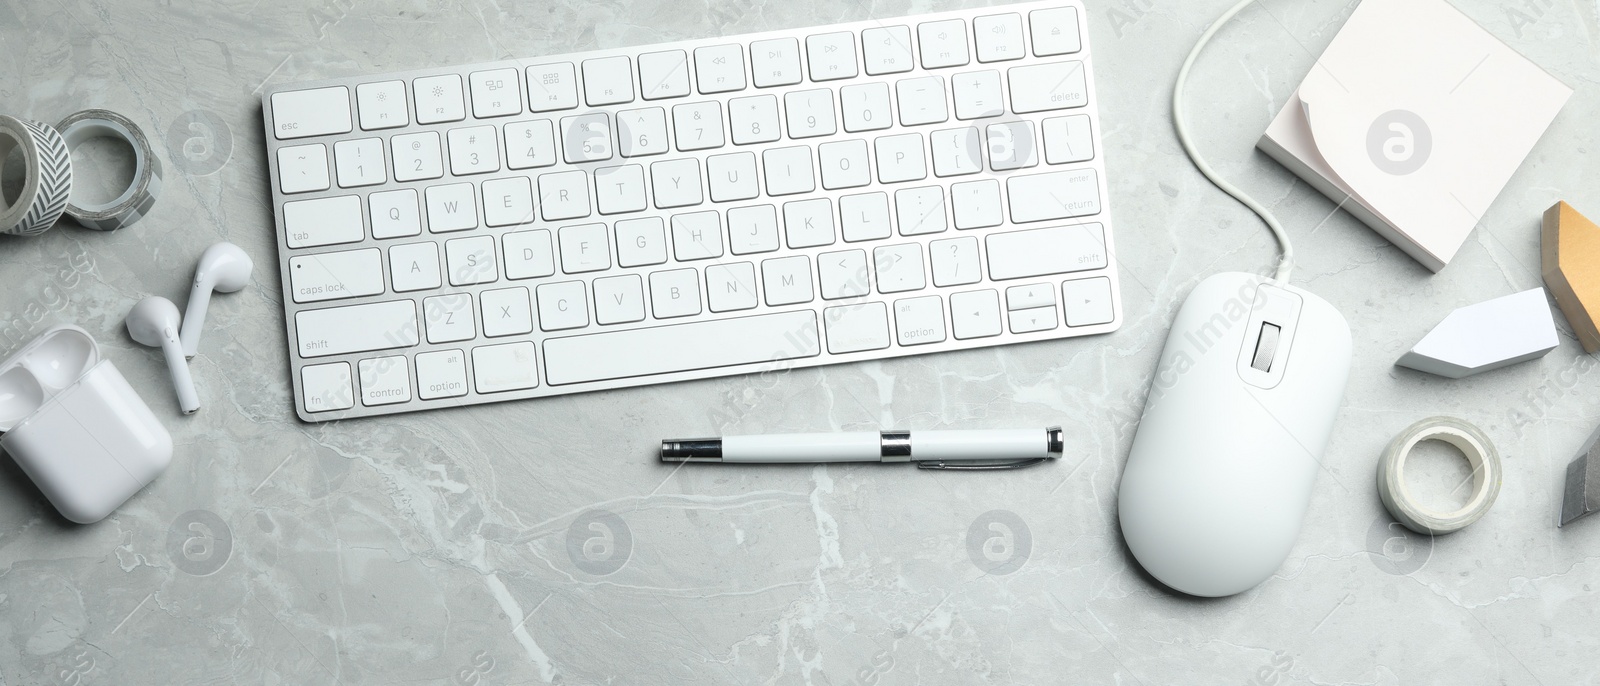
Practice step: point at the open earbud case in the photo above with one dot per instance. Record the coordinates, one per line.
(72, 422)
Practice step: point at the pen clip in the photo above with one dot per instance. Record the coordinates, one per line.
(978, 466)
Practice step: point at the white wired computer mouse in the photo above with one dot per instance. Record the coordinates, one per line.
(1239, 412)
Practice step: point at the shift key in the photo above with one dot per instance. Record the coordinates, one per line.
(356, 328)
(1037, 252)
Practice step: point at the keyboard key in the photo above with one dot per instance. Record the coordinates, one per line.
(944, 43)
(530, 144)
(303, 168)
(775, 62)
(1011, 145)
(810, 113)
(584, 248)
(842, 274)
(324, 221)
(900, 158)
(864, 217)
(955, 261)
(697, 236)
(975, 314)
(359, 163)
(832, 55)
(471, 261)
(552, 87)
(1030, 321)
(664, 74)
(439, 99)
(1041, 87)
(356, 328)
(385, 380)
(563, 195)
(999, 37)
(752, 229)
(920, 210)
(1037, 252)
(1068, 139)
(607, 81)
(675, 293)
(316, 112)
(808, 223)
(1030, 296)
(619, 189)
(508, 202)
(733, 176)
(731, 287)
(898, 268)
(473, 150)
(382, 105)
(417, 156)
(394, 213)
(697, 125)
(1087, 301)
(642, 132)
(956, 152)
(451, 208)
(787, 280)
(495, 93)
(441, 374)
(414, 267)
(1055, 31)
(753, 119)
(507, 367)
(336, 275)
(641, 242)
(619, 299)
(586, 138)
(921, 100)
(976, 204)
(844, 164)
(326, 387)
(789, 170)
(866, 107)
(681, 347)
(563, 305)
(719, 68)
(887, 49)
(676, 183)
(528, 254)
(854, 328)
(977, 94)
(1054, 195)
(506, 312)
(918, 321)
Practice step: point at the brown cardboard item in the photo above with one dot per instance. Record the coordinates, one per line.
(1570, 249)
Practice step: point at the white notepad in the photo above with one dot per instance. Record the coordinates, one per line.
(1413, 119)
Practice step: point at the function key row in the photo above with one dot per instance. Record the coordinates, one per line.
(665, 74)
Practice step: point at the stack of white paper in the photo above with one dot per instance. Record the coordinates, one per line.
(1414, 119)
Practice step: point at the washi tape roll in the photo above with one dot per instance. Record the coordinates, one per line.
(140, 196)
(47, 172)
(1486, 474)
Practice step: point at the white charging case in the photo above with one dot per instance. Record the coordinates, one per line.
(73, 423)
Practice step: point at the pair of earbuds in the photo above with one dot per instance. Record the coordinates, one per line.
(154, 321)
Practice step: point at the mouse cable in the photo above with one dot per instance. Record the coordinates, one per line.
(1286, 263)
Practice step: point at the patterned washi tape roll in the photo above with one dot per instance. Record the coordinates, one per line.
(140, 196)
(47, 176)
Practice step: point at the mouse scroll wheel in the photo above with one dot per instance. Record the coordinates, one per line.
(1266, 347)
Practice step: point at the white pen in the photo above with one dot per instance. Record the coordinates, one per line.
(950, 449)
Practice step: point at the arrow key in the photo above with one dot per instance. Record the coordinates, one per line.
(1087, 301)
(1030, 296)
(975, 314)
(1034, 319)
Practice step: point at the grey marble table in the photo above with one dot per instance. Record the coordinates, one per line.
(540, 541)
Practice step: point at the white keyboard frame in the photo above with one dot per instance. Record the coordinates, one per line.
(818, 304)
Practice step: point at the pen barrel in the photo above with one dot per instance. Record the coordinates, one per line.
(987, 444)
(852, 446)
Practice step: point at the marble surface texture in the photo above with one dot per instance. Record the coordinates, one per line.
(541, 542)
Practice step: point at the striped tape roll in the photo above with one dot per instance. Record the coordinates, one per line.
(134, 202)
(47, 176)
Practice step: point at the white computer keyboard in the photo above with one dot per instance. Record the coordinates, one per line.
(739, 204)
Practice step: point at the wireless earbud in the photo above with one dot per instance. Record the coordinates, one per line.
(154, 322)
(223, 267)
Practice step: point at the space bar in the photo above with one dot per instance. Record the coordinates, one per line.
(681, 347)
